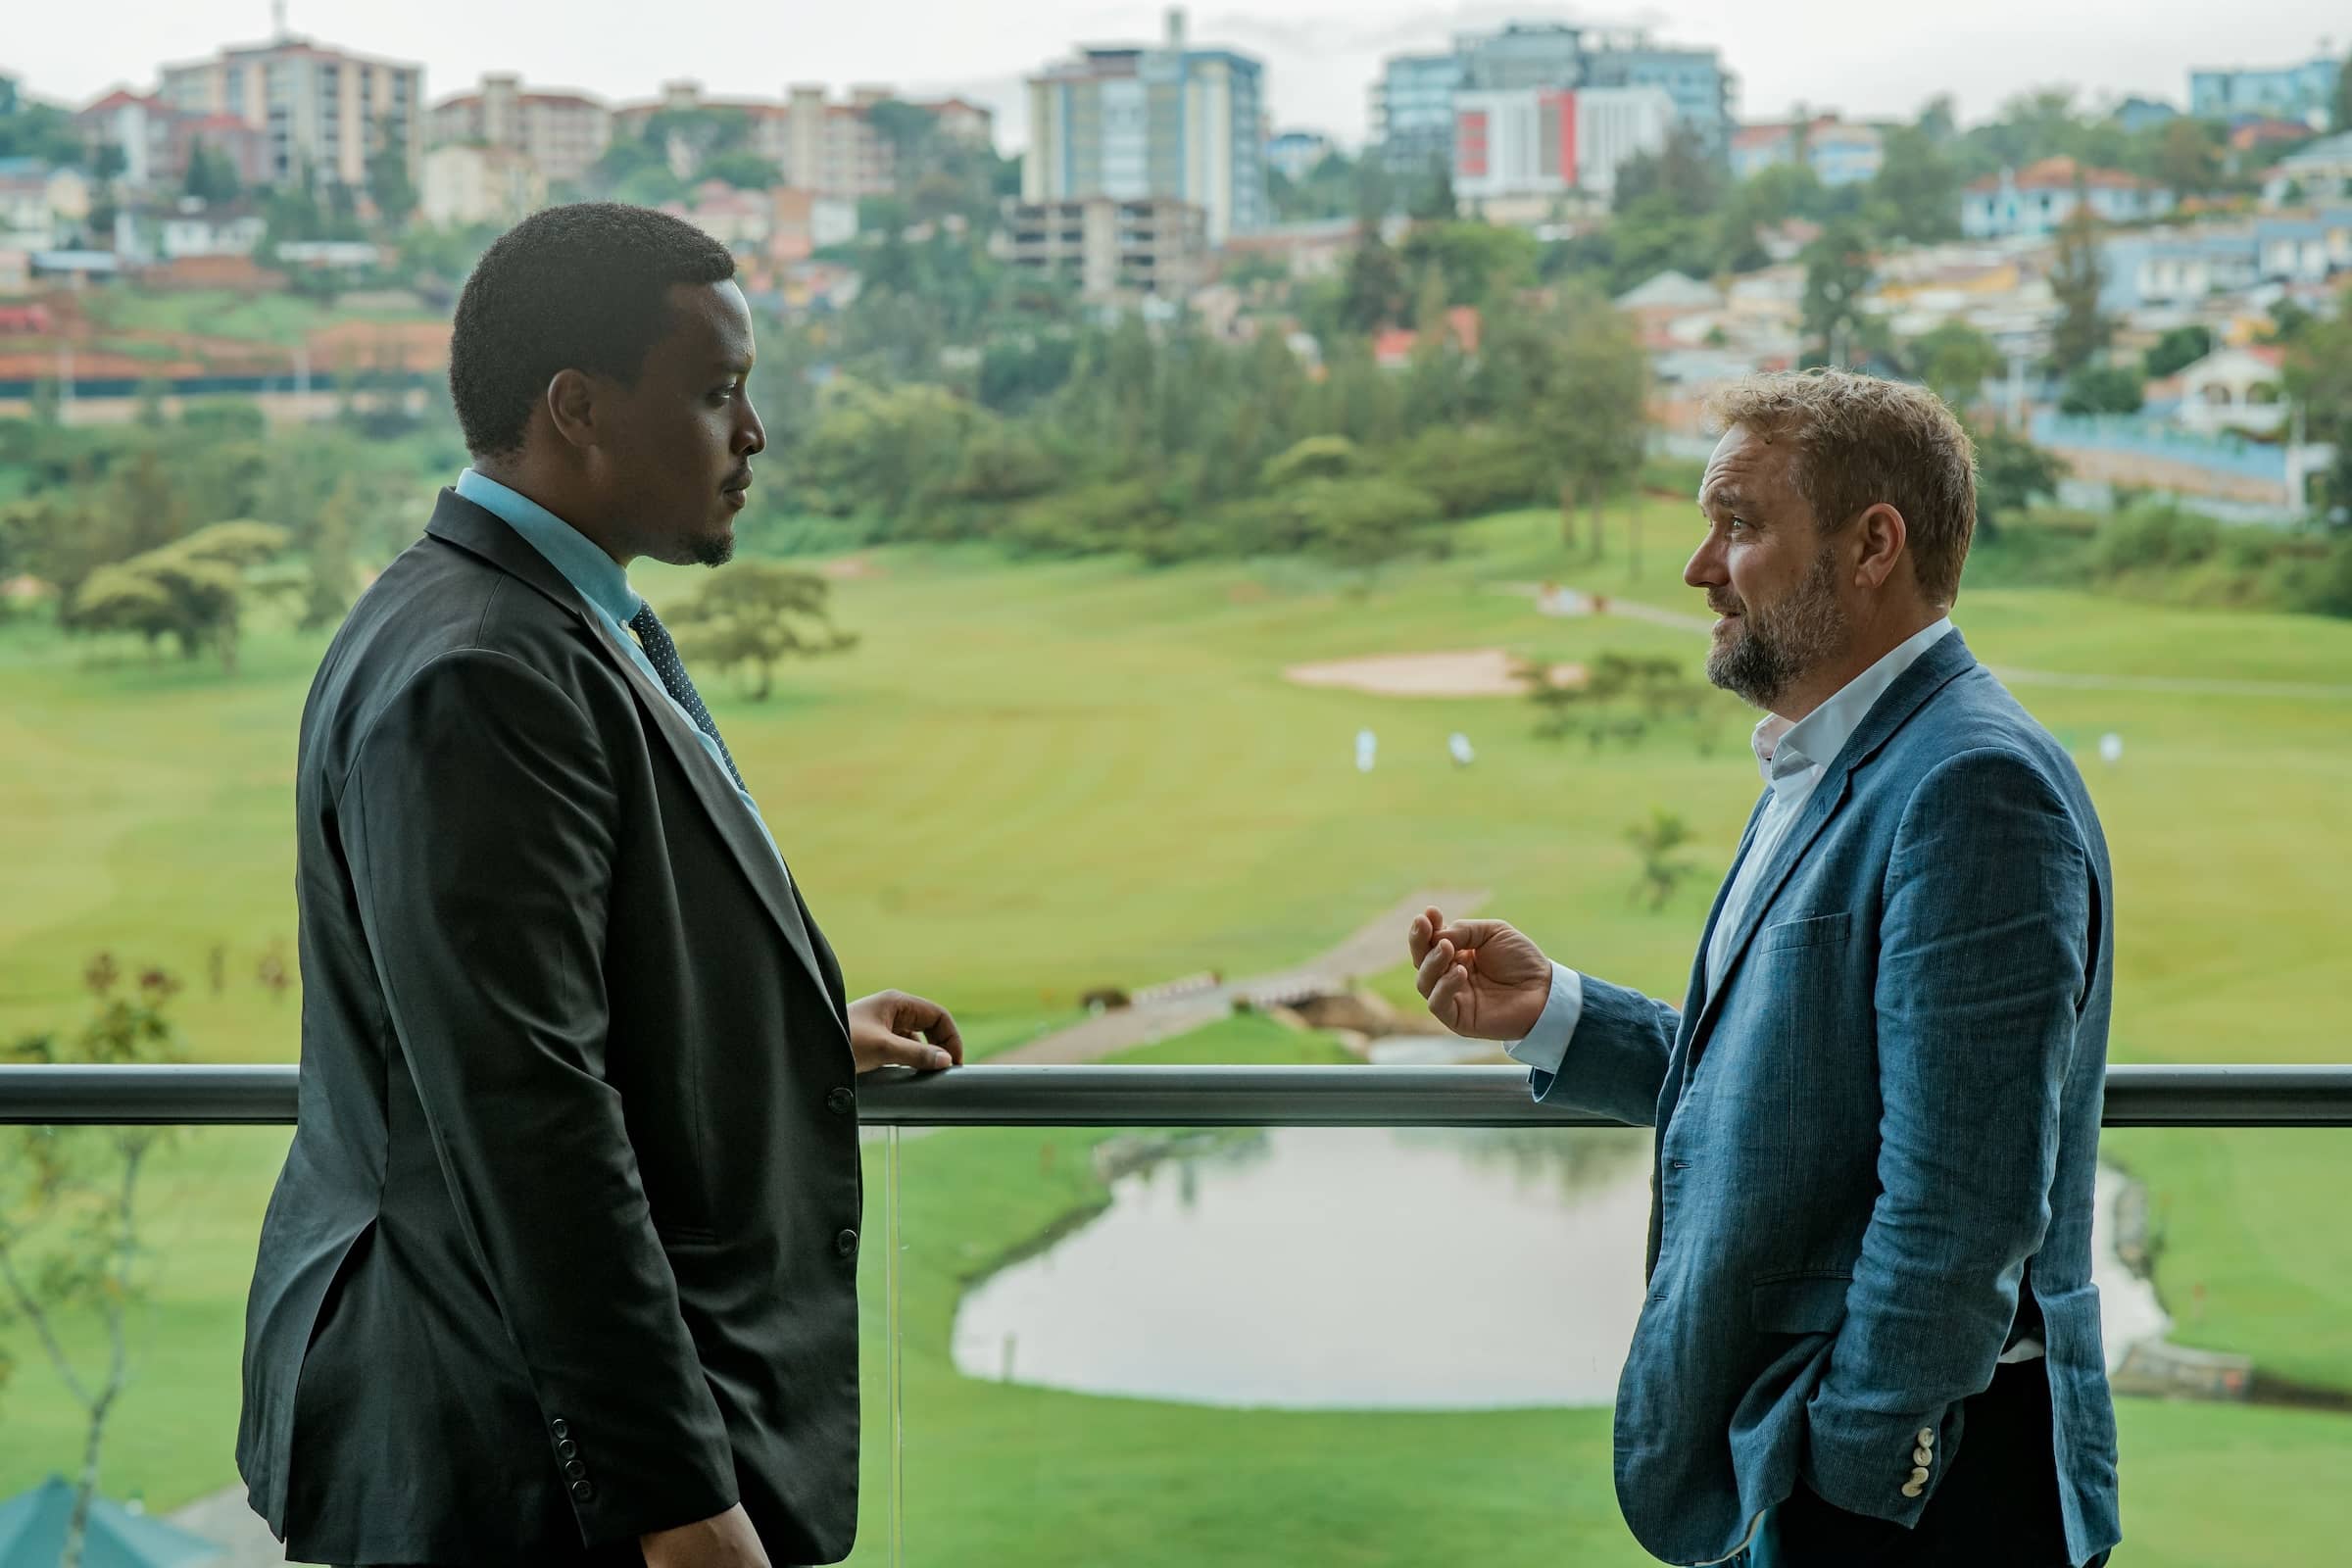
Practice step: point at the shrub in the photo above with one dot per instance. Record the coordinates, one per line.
(1474, 469)
(2152, 536)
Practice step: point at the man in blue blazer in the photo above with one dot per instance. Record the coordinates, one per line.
(1870, 1336)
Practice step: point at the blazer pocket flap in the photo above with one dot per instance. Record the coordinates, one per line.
(1811, 931)
(1799, 1303)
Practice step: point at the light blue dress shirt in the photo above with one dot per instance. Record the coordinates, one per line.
(603, 583)
(1791, 759)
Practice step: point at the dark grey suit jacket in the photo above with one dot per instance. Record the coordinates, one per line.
(564, 1250)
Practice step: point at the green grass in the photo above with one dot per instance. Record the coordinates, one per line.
(1031, 780)
(280, 318)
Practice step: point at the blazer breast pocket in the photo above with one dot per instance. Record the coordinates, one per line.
(1810, 931)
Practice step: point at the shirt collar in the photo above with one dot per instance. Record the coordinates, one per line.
(1787, 753)
(582, 561)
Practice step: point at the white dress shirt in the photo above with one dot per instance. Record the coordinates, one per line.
(1792, 757)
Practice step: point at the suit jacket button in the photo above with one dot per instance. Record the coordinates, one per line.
(846, 1242)
(842, 1102)
(565, 1448)
(1919, 1477)
(1912, 1489)
(583, 1490)
(559, 1427)
(1923, 1456)
(1927, 1437)
(575, 1469)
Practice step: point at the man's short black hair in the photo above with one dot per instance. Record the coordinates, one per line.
(583, 287)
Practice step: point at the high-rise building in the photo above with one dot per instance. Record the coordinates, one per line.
(1694, 78)
(2303, 92)
(561, 133)
(1134, 123)
(1533, 142)
(326, 111)
(1414, 106)
(1523, 54)
(1413, 110)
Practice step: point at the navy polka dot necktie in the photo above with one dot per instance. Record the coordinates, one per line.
(654, 637)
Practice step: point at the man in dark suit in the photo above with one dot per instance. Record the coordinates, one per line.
(561, 1266)
(1870, 1338)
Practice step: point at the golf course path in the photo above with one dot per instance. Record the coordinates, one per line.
(1379, 945)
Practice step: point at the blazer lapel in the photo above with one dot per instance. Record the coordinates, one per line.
(483, 533)
(1935, 669)
(761, 862)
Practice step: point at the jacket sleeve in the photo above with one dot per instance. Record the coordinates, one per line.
(1985, 948)
(480, 816)
(1615, 1062)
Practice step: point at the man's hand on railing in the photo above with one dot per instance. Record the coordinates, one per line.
(882, 1029)
(1483, 979)
(724, 1540)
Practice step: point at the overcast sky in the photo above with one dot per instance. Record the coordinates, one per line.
(1864, 56)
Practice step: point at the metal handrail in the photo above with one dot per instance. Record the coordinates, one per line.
(2265, 1096)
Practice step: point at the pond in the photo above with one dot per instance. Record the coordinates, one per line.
(1340, 1268)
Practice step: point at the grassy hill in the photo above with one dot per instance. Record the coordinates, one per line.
(1031, 779)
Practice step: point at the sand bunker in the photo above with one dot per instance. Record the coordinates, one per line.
(1474, 672)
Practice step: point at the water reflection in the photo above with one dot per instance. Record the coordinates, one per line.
(1337, 1269)
(1330, 1268)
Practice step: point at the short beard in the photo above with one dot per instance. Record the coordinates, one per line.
(1772, 647)
(714, 551)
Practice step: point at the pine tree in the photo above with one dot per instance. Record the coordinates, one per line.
(2082, 331)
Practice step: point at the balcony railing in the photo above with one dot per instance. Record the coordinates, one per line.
(1225, 1330)
(2265, 1096)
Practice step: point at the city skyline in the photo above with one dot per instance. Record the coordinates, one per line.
(1321, 55)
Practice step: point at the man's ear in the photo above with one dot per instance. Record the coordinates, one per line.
(1881, 534)
(572, 406)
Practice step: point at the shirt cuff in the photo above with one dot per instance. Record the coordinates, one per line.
(1546, 1044)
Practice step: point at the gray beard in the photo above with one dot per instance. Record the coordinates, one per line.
(1771, 649)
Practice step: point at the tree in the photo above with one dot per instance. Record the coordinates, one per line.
(2012, 473)
(911, 131)
(1838, 273)
(755, 615)
(389, 181)
(1681, 171)
(2319, 379)
(1955, 360)
(2076, 278)
(1434, 199)
(1480, 263)
(327, 588)
(1619, 698)
(212, 177)
(2189, 156)
(1578, 383)
(2177, 351)
(1375, 293)
(1361, 523)
(744, 169)
(2102, 389)
(1655, 841)
(191, 589)
(70, 1221)
(1920, 185)
(2342, 109)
